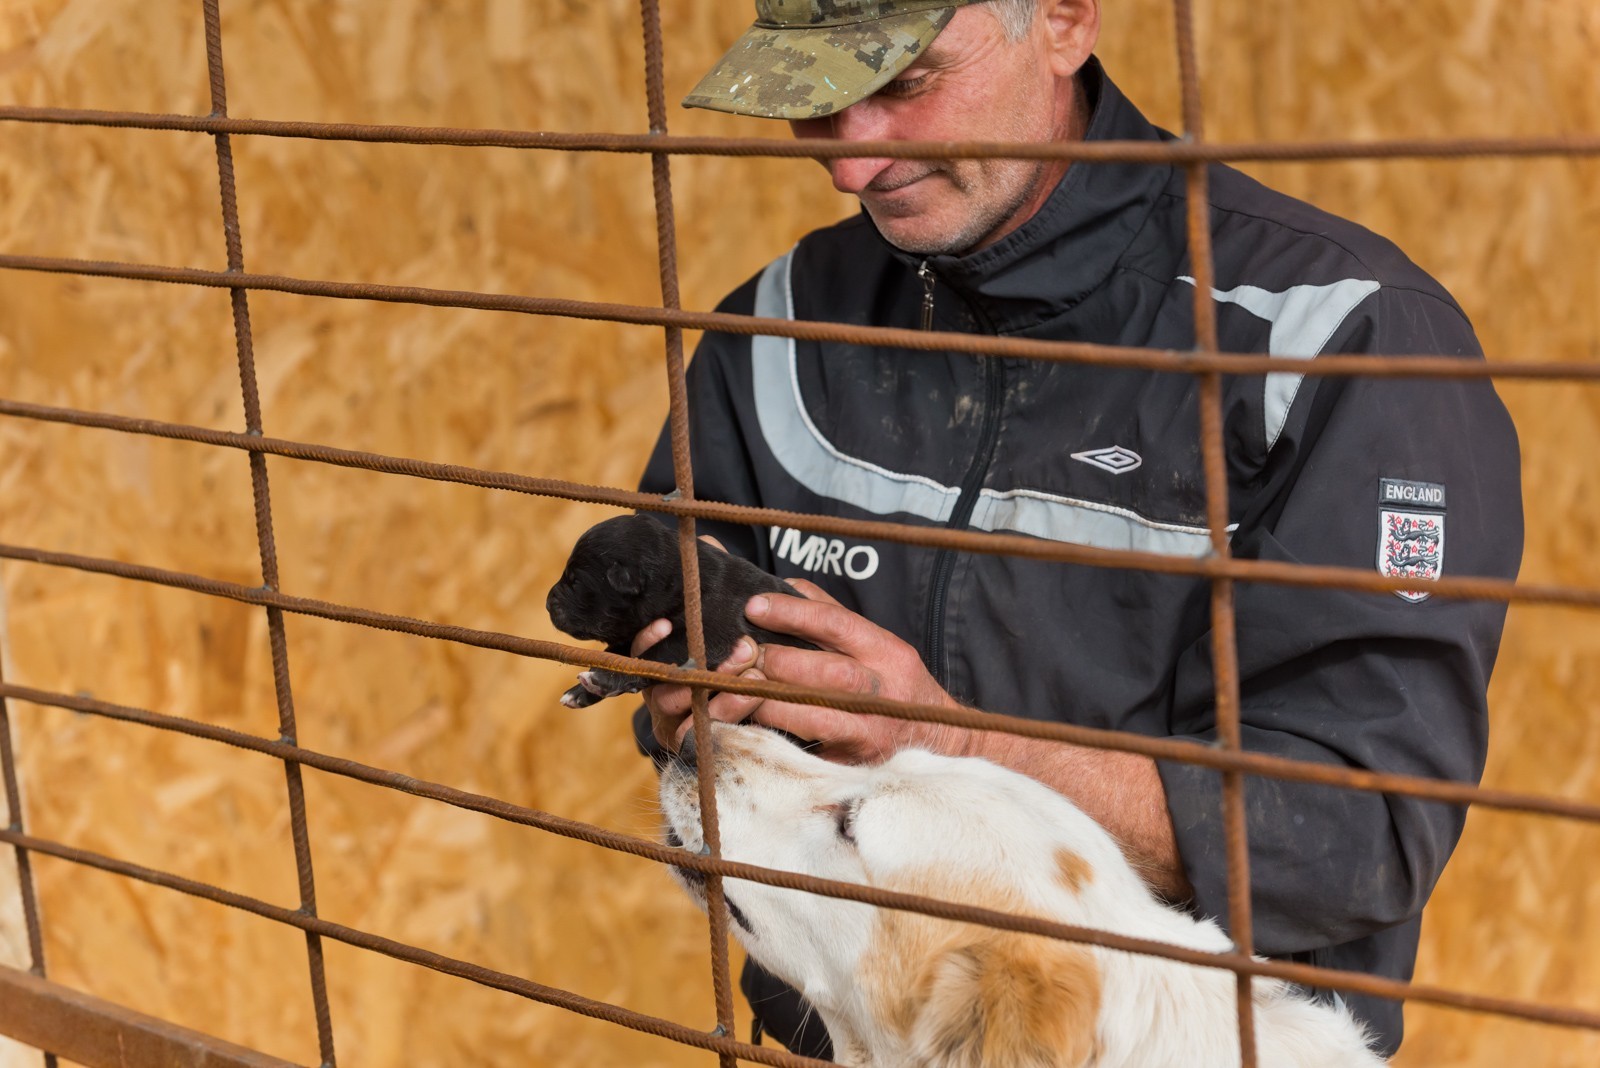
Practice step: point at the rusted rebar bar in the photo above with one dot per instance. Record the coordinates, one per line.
(688, 547)
(1398, 365)
(1440, 790)
(1224, 637)
(993, 543)
(261, 495)
(15, 821)
(1171, 152)
(438, 962)
(1304, 974)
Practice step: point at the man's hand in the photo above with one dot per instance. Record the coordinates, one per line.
(671, 706)
(854, 655)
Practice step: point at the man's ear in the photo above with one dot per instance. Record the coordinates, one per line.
(625, 578)
(1010, 1001)
(1072, 29)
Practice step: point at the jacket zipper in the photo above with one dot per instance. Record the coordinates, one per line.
(933, 652)
(925, 273)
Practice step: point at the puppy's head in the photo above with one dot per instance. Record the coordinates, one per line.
(622, 573)
(900, 986)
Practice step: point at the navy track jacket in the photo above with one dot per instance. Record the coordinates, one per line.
(1403, 475)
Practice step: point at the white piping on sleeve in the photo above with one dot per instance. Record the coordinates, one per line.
(1303, 320)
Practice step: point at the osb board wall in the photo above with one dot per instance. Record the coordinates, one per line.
(1513, 916)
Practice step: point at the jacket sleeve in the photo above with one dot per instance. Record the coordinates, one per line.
(1361, 680)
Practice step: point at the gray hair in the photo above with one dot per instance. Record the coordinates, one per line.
(1015, 16)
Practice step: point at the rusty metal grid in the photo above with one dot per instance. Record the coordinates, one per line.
(1206, 362)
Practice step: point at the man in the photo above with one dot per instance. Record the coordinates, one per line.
(1333, 471)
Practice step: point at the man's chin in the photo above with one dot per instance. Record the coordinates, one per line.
(917, 235)
(915, 219)
(935, 216)
(910, 227)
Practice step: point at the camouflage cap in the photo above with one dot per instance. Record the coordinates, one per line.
(807, 58)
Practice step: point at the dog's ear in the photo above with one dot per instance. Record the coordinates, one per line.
(1010, 1001)
(625, 578)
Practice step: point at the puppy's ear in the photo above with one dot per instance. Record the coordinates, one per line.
(625, 578)
(1010, 1001)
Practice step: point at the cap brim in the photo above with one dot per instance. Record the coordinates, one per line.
(815, 71)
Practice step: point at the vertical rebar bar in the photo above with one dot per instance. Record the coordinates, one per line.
(30, 901)
(683, 472)
(1224, 648)
(264, 536)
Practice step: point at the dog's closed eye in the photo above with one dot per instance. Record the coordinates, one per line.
(844, 819)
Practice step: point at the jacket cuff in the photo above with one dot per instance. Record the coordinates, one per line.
(1194, 804)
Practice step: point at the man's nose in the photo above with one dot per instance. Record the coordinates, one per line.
(863, 121)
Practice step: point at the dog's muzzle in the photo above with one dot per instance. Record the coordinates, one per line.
(688, 751)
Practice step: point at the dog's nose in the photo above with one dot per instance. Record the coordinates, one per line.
(688, 751)
(559, 615)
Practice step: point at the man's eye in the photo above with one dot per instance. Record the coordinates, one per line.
(903, 87)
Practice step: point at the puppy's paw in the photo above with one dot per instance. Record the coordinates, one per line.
(580, 696)
(605, 683)
(598, 684)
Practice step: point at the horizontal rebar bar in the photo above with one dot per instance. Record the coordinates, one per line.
(1305, 974)
(438, 962)
(986, 542)
(1441, 790)
(1171, 361)
(1090, 152)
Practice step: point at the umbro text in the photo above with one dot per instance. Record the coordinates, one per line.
(828, 556)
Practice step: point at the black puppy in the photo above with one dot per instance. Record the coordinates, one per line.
(624, 573)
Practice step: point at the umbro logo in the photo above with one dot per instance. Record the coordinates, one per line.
(1115, 459)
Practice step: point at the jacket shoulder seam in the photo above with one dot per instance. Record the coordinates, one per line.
(1336, 243)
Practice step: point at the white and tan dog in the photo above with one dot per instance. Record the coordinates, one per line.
(899, 988)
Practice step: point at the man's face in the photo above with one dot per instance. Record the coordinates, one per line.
(972, 84)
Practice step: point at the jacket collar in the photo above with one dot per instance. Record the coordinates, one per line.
(1071, 244)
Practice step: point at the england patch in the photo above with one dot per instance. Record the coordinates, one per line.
(1410, 544)
(1400, 493)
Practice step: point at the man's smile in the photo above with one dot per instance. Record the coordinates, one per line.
(882, 184)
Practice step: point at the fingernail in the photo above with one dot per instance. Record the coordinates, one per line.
(744, 652)
(743, 704)
(757, 607)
